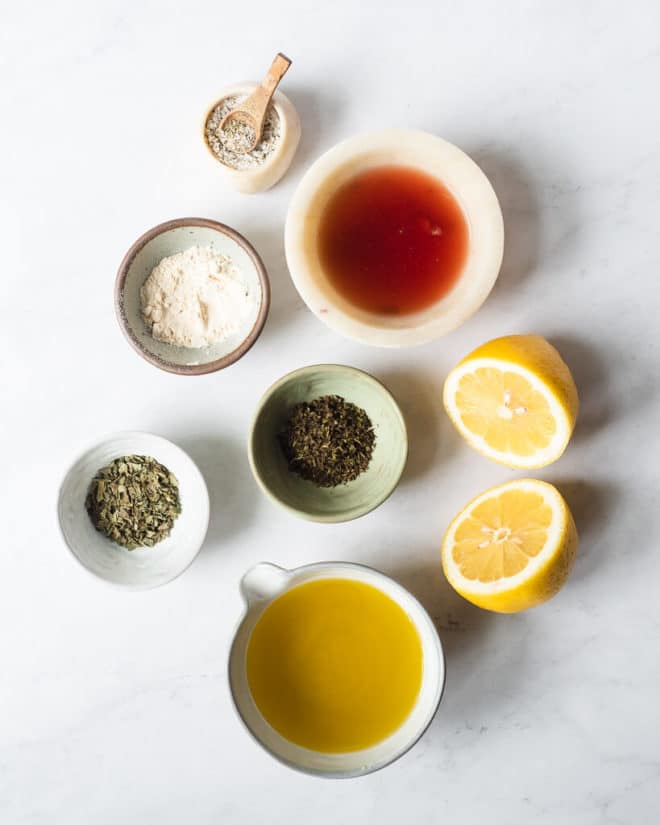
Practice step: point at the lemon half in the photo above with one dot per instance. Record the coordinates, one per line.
(514, 400)
(512, 547)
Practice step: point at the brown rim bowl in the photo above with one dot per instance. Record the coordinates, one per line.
(167, 239)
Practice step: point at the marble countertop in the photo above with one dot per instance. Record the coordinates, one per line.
(114, 706)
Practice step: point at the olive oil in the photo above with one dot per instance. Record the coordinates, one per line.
(334, 665)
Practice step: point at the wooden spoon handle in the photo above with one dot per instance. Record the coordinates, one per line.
(278, 68)
(258, 101)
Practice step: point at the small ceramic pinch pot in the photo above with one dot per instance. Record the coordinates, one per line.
(256, 178)
(435, 157)
(260, 587)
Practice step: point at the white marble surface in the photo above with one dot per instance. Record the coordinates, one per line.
(114, 707)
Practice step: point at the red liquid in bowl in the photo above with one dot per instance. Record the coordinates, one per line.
(393, 240)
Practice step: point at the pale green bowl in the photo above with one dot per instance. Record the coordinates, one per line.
(303, 498)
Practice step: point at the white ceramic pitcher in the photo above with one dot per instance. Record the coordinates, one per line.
(266, 582)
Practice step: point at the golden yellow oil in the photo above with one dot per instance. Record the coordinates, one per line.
(334, 665)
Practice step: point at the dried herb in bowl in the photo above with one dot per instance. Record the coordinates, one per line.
(328, 441)
(134, 501)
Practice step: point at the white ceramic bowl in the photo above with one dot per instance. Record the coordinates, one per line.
(259, 178)
(266, 582)
(168, 239)
(467, 183)
(144, 567)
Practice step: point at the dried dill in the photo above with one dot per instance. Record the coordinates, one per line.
(328, 441)
(134, 501)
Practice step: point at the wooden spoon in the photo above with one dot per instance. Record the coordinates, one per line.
(252, 111)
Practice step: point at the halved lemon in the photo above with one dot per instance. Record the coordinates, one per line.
(514, 400)
(512, 547)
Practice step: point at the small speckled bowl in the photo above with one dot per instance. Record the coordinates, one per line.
(168, 239)
(144, 567)
(303, 498)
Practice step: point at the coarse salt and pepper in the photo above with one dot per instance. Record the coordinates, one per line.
(263, 166)
(227, 143)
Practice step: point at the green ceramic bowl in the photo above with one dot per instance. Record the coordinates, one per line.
(303, 498)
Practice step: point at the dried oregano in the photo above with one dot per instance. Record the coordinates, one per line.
(134, 501)
(328, 441)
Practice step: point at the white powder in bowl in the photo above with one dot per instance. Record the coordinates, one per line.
(196, 298)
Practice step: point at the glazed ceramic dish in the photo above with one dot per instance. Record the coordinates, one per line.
(436, 157)
(169, 239)
(264, 583)
(303, 498)
(261, 177)
(143, 567)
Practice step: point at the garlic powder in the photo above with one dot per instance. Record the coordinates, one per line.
(196, 298)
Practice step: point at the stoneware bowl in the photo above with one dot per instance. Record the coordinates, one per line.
(436, 157)
(303, 498)
(264, 583)
(261, 177)
(144, 567)
(168, 239)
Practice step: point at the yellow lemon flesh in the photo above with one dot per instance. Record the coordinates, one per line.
(514, 400)
(512, 547)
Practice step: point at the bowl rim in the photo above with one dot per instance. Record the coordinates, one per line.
(209, 366)
(333, 775)
(354, 512)
(363, 326)
(93, 446)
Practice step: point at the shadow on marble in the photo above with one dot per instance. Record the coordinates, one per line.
(589, 369)
(224, 466)
(592, 504)
(481, 677)
(460, 624)
(320, 114)
(314, 110)
(284, 299)
(432, 439)
(522, 217)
